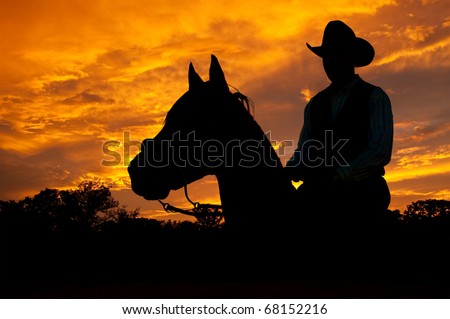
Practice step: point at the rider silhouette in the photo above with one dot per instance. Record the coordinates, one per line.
(347, 135)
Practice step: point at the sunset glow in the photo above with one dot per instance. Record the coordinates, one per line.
(75, 74)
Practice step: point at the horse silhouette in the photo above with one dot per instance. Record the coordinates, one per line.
(210, 131)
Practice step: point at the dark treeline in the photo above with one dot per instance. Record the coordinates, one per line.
(83, 243)
(89, 209)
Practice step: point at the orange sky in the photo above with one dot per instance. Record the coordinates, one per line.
(74, 74)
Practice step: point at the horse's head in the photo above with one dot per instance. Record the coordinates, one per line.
(191, 143)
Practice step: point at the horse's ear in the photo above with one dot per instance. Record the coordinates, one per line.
(194, 79)
(216, 74)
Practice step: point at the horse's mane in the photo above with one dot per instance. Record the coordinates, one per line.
(245, 101)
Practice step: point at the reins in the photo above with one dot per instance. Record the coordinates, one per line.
(211, 214)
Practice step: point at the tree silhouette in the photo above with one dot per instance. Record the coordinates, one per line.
(429, 211)
(87, 208)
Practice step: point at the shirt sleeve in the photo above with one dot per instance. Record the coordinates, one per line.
(381, 133)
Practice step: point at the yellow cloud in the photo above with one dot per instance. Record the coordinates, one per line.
(424, 53)
(446, 23)
(419, 33)
(428, 166)
(420, 131)
(409, 192)
(306, 94)
(409, 160)
(409, 150)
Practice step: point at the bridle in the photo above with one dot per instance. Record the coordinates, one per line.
(206, 214)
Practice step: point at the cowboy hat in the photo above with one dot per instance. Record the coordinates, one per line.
(340, 38)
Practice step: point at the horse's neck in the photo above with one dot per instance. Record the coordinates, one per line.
(245, 190)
